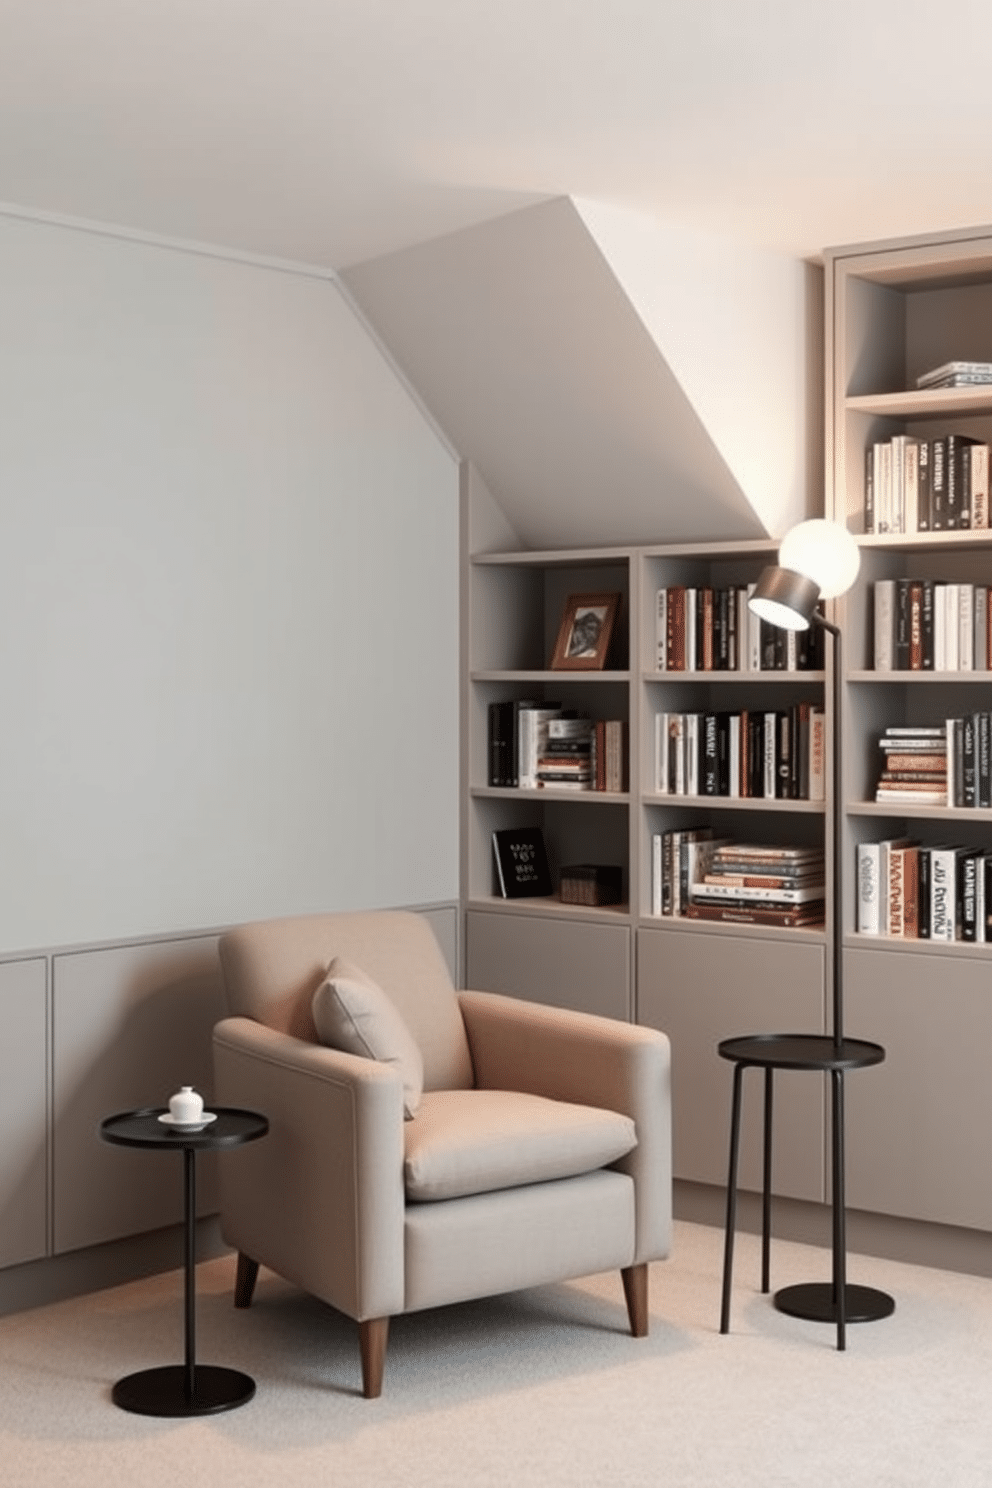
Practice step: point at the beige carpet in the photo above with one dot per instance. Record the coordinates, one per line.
(543, 1388)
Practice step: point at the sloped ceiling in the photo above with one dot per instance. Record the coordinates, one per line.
(526, 351)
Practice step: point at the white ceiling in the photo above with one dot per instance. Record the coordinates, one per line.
(333, 131)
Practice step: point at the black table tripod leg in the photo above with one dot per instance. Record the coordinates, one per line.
(189, 1165)
(840, 1236)
(728, 1239)
(766, 1188)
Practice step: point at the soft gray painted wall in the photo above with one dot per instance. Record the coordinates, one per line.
(228, 598)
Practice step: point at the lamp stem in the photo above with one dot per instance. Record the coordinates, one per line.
(837, 959)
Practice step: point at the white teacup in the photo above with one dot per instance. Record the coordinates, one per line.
(186, 1106)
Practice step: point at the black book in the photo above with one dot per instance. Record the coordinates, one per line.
(709, 771)
(958, 480)
(923, 893)
(522, 869)
(927, 624)
(957, 744)
(938, 484)
(723, 753)
(500, 732)
(903, 625)
(969, 760)
(983, 751)
(783, 754)
(966, 888)
(987, 871)
(870, 488)
(721, 623)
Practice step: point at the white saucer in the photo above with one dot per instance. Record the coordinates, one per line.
(191, 1126)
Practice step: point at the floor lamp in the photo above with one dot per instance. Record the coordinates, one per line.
(820, 560)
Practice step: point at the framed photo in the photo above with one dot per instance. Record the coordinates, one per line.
(585, 634)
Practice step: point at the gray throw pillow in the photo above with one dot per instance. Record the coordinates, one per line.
(352, 1013)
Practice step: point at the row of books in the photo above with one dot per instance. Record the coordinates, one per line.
(711, 629)
(695, 875)
(927, 893)
(776, 754)
(535, 745)
(925, 626)
(926, 485)
(946, 764)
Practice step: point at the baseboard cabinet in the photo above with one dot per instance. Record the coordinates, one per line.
(568, 963)
(919, 1125)
(130, 1024)
(23, 1111)
(702, 987)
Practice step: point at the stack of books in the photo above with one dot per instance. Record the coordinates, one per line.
(926, 893)
(956, 374)
(758, 884)
(914, 766)
(566, 759)
(925, 626)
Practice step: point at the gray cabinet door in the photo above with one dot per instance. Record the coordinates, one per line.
(131, 1024)
(701, 988)
(566, 962)
(920, 1125)
(23, 1112)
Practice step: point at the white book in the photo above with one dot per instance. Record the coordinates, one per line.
(691, 600)
(734, 751)
(817, 754)
(676, 756)
(661, 630)
(943, 865)
(911, 507)
(951, 627)
(939, 628)
(980, 486)
(692, 754)
(966, 628)
(661, 740)
(715, 892)
(868, 859)
(884, 859)
(980, 651)
(532, 737)
(791, 650)
(980, 899)
(743, 648)
(885, 607)
(753, 636)
(898, 457)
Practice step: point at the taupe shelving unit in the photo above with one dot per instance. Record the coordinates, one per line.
(700, 982)
(893, 311)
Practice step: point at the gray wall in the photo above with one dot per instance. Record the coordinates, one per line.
(228, 598)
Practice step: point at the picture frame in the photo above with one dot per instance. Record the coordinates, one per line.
(585, 633)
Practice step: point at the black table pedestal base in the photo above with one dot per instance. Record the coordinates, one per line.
(817, 1301)
(163, 1392)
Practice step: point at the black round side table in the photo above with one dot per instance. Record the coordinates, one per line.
(835, 1301)
(184, 1389)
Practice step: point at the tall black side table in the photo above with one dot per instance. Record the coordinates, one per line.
(835, 1301)
(184, 1389)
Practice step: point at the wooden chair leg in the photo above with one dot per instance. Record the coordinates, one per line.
(635, 1290)
(244, 1282)
(372, 1335)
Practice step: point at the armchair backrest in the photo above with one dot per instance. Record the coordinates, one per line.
(272, 968)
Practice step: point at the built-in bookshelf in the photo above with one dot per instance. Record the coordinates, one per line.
(915, 625)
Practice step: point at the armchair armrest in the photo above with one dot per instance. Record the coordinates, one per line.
(321, 1199)
(593, 1061)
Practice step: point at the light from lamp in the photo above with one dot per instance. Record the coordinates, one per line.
(825, 552)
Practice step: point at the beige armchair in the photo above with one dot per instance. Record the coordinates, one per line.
(539, 1150)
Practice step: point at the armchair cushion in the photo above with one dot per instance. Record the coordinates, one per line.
(352, 1013)
(465, 1142)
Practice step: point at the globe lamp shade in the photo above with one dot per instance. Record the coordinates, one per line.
(825, 552)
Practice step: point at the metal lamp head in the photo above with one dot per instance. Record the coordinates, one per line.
(784, 598)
